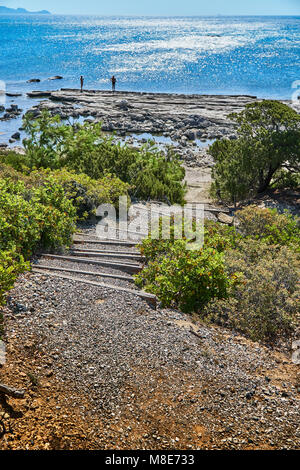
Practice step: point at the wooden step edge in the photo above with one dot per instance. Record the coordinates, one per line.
(133, 268)
(136, 257)
(119, 230)
(86, 273)
(89, 241)
(104, 251)
(152, 299)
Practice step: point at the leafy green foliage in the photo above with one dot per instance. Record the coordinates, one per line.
(39, 209)
(286, 179)
(37, 216)
(269, 226)
(268, 141)
(187, 279)
(244, 278)
(11, 265)
(86, 149)
(30, 218)
(85, 193)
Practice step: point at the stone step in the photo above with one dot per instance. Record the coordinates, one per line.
(105, 254)
(86, 273)
(97, 241)
(150, 298)
(127, 267)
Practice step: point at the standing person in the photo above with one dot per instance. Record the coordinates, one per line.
(113, 83)
(81, 83)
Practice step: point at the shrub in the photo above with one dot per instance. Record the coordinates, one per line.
(31, 218)
(268, 141)
(269, 226)
(265, 306)
(11, 265)
(247, 281)
(286, 179)
(85, 149)
(37, 216)
(217, 236)
(187, 279)
(85, 193)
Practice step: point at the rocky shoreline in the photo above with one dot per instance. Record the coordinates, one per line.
(189, 123)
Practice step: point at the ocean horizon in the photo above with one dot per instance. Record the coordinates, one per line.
(215, 55)
(255, 55)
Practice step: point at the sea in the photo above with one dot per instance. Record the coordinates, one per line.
(255, 55)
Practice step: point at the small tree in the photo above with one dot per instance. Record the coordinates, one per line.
(268, 141)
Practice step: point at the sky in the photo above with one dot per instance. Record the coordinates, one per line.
(161, 7)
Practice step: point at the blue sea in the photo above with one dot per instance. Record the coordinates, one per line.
(210, 55)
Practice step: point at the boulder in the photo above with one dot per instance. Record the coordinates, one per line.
(56, 77)
(123, 104)
(16, 136)
(225, 219)
(13, 95)
(39, 94)
(190, 135)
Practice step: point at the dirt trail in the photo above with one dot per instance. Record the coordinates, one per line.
(103, 370)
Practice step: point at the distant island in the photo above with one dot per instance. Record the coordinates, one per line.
(21, 11)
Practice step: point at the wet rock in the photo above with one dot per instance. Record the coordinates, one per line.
(56, 77)
(16, 136)
(39, 94)
(190, 135)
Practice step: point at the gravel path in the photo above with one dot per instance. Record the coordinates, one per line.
(104, 370)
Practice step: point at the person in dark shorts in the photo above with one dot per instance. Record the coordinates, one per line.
(113, 83)
(81, 83)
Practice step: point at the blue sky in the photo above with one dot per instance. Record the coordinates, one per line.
(161, 7)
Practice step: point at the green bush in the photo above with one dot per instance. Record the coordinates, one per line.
(217, 236)
(11, 265)
(86, 149)
(269, 226)
(85, 193)
(39, 209)
(268, 141)
(246, 279)
(36, 216)
(185, 278)
(286, 179)
(265, 306)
